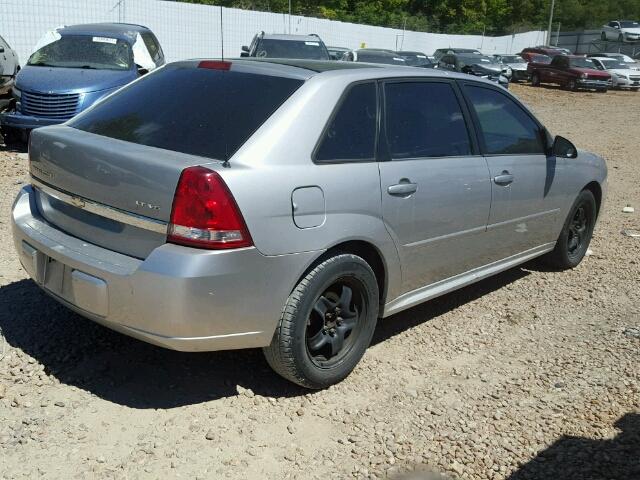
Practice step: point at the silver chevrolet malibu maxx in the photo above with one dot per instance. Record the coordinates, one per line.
(288, 204)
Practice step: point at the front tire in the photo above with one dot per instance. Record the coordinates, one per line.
(572, 85)
(327, 323)
(11, 136)
(576, 233)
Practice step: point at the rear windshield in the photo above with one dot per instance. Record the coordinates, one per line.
(582, 63)
(198, 111)
(84, 51)
(312, 50)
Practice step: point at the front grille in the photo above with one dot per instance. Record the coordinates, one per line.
(50, 105)
(635, 79)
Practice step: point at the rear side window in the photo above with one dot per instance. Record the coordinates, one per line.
(505, 127)
(152, 45)
(424, 119)
(198, 111)
(312, 50)
(351, 133)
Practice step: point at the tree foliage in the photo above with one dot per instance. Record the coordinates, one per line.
(494, 17)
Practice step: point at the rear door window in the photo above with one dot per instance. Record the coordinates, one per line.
(351, 132)
(424, 119)
(199, 111)
(506, 129)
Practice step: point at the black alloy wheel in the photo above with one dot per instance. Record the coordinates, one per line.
(334, 321)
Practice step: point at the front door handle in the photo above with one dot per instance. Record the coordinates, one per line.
(504, 179)
(402, 189)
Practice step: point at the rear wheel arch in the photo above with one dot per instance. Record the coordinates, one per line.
(363, 249)
(595, 188)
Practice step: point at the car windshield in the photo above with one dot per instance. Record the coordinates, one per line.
(581, 63)
(381, 57)
(470, 59)
(614, 64)
(512, 59)
(312, 49)
(629, 24)
(84, 51)
(415, 59)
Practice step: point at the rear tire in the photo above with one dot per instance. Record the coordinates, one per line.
(11, 136)
(576, 234)
(535, 80)
(603, 36)
(325, 329)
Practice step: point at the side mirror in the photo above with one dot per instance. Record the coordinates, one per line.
(563, 148)
(142, 71)
(1, 49)
(244, 54)
(244, 48)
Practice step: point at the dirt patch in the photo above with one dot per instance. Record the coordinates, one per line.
(528, 375)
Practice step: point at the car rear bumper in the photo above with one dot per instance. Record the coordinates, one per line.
(26, 122)
(179, 298)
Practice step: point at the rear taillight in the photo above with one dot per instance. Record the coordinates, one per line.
(204, 213)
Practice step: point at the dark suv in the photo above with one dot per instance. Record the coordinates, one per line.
(286, 46)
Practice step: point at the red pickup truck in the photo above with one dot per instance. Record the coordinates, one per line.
(571, 72)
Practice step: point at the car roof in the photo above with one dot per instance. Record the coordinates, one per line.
(117, 29)
(292, 38)
(306, 69)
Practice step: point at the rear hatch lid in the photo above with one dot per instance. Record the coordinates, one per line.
(110, 174)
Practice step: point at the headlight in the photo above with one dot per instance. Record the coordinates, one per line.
(583, 75)
(16, 93)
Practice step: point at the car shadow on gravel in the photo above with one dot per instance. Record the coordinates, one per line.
(130, 372)
(424, 312)
(576, 458)
(121, 369)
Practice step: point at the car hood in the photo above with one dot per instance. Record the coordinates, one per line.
(591, 72)
(71, 80)
(622, 71)
(489, 68)
(517, 66)
(635, 31)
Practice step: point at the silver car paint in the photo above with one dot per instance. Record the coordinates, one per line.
(191, 299)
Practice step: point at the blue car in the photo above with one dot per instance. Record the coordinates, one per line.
(72, 68)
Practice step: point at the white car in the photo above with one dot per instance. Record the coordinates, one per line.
(621, 57)
(621, 31)
(621, 75)
(9, 66)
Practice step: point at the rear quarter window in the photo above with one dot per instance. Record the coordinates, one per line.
(351, 132)
(197, 111)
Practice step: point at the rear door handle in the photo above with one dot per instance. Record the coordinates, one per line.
(402, 189)
(504, 179)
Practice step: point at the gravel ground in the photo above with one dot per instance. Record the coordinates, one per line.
(532, 374)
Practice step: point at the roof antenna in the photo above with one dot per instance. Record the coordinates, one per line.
(221, 35)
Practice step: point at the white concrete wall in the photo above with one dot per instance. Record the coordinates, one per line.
(191, 31)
